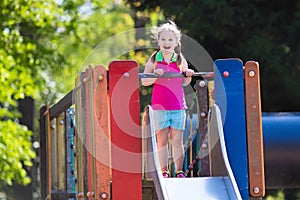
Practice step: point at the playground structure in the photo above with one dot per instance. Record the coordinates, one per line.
(95, 150)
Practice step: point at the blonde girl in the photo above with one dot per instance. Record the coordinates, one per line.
(168, 101)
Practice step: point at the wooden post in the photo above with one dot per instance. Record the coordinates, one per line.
(79, 146)
(53, 136)
(61, 153)
(88, 124)
(43, 152)
(202, 91)
(49, 153)
(101, 134)
(254, 130)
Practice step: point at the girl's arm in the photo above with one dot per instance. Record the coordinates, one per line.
(189, 72)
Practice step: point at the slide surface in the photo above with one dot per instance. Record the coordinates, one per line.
(208, 188)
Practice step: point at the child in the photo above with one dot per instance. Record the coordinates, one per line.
(168, 95)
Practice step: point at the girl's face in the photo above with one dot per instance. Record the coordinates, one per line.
(167, 41)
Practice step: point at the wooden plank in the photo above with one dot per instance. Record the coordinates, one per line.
(68, 150)
(101, 133)
(87, 131)
(61, 152)
(254, 130)
(92, 128)
(43, 152)
(53, 137)
(70, 145)
(49, 152)
(125, 130)
(61, 106)
(149, 190)
(202, 91)
(216, 163)
(78, 117)
(82, 135)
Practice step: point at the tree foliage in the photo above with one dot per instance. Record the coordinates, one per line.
(28, 51)
(42, 46)
(261, 30)
(15, 151)
(99, 21)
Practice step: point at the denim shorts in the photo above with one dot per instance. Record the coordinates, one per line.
(173, 118)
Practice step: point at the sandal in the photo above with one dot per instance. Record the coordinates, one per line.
(166, 174)
(180, 174)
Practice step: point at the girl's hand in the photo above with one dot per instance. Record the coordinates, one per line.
(158, 72)
(189, 72)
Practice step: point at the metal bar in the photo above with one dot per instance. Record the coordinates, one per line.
(176, 75)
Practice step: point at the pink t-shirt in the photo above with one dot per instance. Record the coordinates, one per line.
(168, 93)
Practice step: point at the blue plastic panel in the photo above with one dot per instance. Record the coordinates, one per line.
(229, 95)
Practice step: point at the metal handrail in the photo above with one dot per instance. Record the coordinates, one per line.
(205, 75)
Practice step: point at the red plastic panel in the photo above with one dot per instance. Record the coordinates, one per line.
(125, 130)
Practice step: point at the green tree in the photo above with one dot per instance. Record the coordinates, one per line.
(43, 45)
(28, 53)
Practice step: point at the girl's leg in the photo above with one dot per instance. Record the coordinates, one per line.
(162, 137)
(176, 137)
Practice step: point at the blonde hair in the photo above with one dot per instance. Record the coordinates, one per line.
(169, 26)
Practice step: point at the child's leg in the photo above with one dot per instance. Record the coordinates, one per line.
(162, 137)
(176, 137)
